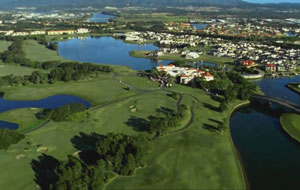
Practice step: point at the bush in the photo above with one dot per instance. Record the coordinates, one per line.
(8, 137)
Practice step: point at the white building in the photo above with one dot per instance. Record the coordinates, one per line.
(186, 74)
(192, 55)
(82, 30)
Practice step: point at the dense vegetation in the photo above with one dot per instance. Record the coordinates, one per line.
(62, 113)
(161, 124)
(110, 155)
(8, 137)
(58, 71)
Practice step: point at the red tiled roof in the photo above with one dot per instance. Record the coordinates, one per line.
(207, 74)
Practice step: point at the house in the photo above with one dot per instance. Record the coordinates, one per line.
(270, 67)
(248, 63)
(20, 34)
(37, 32)
(192, 55)
(82, 30)
(208, 77)
(186, 79)
(60, 32)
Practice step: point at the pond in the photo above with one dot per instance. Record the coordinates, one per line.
(199, 26)
(50, 102)
(100, 18)
(269, 155)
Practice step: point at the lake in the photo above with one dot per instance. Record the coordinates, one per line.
(107, 50)
(269, 155)
(100, 18)
(50, 102)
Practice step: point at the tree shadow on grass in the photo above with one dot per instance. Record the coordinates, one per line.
(217, 98)
(137, 124)
(211, 107)
(165, 110)
(44, 168)
(85, 142)
(210, 128)
(214, 120)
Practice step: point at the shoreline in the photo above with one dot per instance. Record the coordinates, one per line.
(289, 86)
(235, 150)
(287, 130)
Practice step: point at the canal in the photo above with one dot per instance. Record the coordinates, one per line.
(269, 156)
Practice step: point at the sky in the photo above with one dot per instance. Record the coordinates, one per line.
(273, 1)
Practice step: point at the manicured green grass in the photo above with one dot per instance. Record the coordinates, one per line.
(194, 158)
(98, 91)
(4, 45)
(24, 117)
(38, 52)
(291, 124)
(8, 69)
(178, 57)
(57, 136)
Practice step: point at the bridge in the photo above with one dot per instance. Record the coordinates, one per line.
(283, 103)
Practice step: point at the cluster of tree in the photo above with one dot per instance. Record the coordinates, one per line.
(15, 53)
(64, 72)
(240, 88)
(8, 137)
(62, 113)
(52, 46)
(59, 71)
(159, 125)
(174, 95)
(113, 154)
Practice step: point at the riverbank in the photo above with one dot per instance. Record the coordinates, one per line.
(290, 123)
(294, 87)
(236, 152)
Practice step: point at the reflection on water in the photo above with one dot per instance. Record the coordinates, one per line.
(269, 155)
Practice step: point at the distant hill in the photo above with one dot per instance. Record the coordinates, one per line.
(155, 3)
(121, 3)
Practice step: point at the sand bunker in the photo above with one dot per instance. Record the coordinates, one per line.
(20, 156)
(42, 149)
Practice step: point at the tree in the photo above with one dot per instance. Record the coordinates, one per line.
(8, 137)
(223, 106)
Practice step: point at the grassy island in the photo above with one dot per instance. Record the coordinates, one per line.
(178, 57)
(291, 124)
(194, 155)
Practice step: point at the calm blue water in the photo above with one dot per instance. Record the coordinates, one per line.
(200, 26)
(272, 1)
(99, 17)
(291, 34)
(269, 155)
(107, 50)
(50, 102)
(276, 88)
